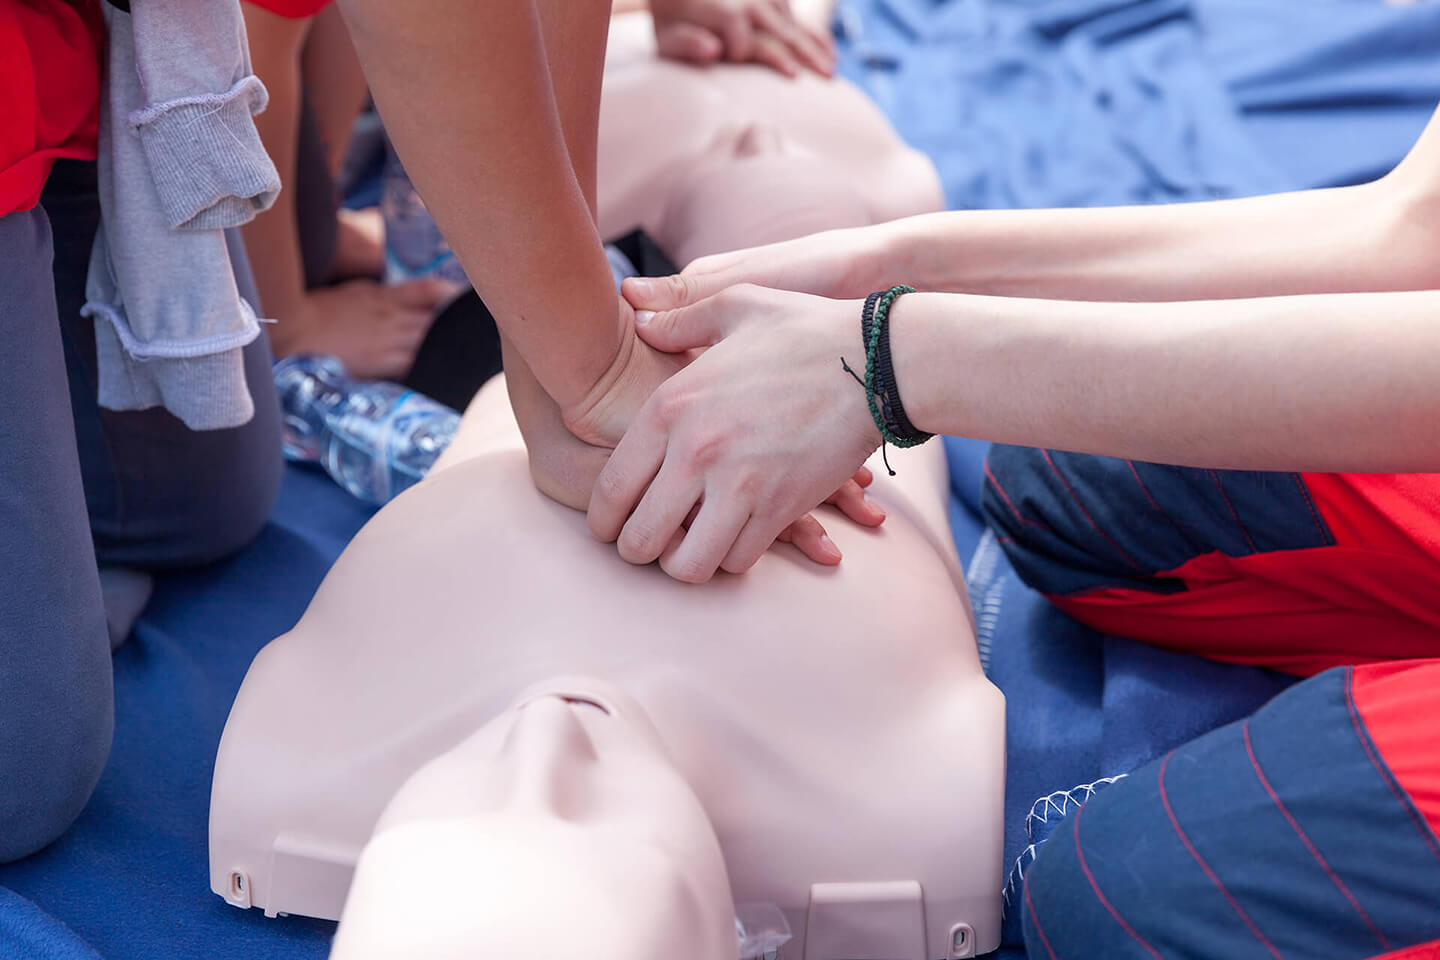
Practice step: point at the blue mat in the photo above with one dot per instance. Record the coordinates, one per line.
(1021, 102)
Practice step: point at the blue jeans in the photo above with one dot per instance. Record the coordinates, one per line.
(80, 485)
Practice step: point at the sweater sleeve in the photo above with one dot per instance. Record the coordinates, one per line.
(211, 170)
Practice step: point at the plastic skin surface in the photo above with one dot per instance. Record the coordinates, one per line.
(729, 156)
(561, 814)
(833, 723)
(828, 731)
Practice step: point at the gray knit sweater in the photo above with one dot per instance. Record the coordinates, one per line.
(180, 160)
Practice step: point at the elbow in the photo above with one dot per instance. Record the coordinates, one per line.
(1404, 208)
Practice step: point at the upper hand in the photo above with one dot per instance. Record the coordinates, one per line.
(838, 264)
(762, 31)
(756, 432)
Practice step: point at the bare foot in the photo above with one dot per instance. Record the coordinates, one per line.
(374, 330)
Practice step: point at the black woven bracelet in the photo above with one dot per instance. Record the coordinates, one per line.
(903, 432)
(867, 317)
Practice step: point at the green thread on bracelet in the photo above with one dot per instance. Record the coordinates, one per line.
(872, 348)
(877, 326)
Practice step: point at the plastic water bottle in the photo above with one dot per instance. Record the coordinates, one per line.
(414, 246)
(374, 438)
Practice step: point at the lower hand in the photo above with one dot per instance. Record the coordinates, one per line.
(373, 329)
(742, 31)
(757, 431)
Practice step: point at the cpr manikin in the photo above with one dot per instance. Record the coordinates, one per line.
(832, 724)
(529, 746)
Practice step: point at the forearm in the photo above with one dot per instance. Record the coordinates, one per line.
(1327, 383)
(1321, 241)
(467, 100)
(272, 239)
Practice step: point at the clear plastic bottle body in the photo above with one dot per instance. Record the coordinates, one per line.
(414, 245)
(375, 439)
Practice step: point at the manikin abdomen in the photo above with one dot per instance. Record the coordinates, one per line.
(834, 723)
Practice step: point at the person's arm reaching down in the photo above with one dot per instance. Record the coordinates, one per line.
(502, 141)
(374, 330)
(466, 98)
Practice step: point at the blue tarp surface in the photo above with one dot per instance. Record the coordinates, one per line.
(1021, 103)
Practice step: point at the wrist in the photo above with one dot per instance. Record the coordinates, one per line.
(589, 415)
(912, 349)
(848, 343)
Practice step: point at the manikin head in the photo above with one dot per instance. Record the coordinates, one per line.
(753, 186)
(559, 827)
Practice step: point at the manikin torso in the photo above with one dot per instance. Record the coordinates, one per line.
(828, 731)
(833, 723)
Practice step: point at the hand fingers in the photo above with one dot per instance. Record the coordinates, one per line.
(749, 546)
(773, 51)
(809, 538)
(739, 37)
(697, 556)
(685, 328)
(626, 475)
(659, 517)
(864, 477)
(823, 41)
(689, 42)
(799, 44)
(851, 501)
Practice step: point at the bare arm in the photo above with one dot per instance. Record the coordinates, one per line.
(1326, 383)
(466, 97)
(273, 238)
(1379, 236)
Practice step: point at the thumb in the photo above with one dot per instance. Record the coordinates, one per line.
(667, 293)
(684, 328)
(689, 42)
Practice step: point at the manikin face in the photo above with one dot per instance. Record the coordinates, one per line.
(753, 186)
(559, 827)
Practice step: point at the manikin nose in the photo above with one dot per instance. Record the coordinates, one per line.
(757, 139)
(552, 757)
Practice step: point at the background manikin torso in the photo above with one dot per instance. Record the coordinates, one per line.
(834, 723)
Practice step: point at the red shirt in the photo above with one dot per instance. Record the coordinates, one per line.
(293, 8)
(50, 107)
(50, 87)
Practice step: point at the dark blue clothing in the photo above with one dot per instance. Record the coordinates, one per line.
(157, 496)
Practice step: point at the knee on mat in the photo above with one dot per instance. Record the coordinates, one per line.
(234, 510)
(53, 760)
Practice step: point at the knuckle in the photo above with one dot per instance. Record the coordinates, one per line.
(687, 288)
(749, 487)
(691, 570)
(637, 542)
(707, 451)
(738, 563)
(609, 486)
(668, 406)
